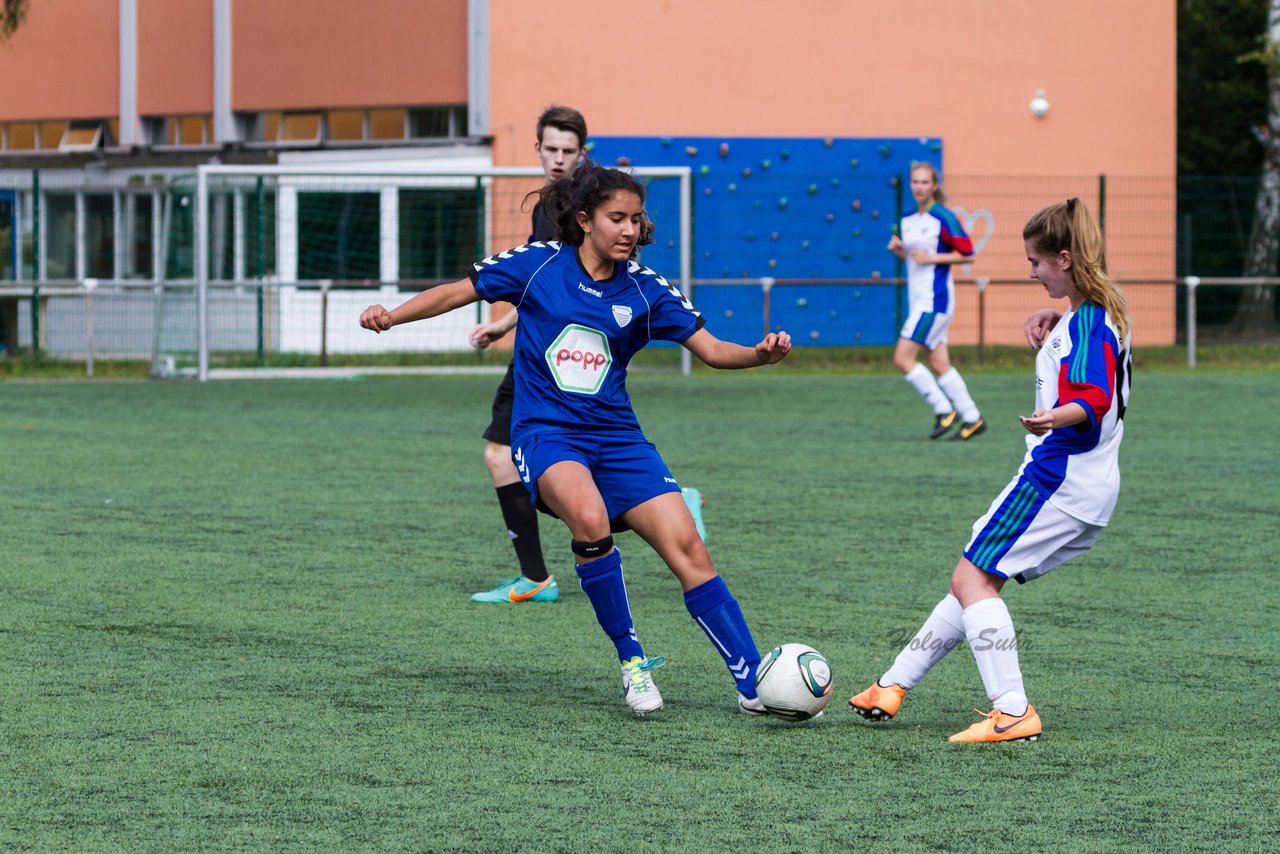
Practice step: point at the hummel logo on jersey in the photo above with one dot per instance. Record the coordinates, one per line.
(622, 314)
(591, 291)
(1056, 343)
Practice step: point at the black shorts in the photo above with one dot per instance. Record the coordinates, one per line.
(499, 429)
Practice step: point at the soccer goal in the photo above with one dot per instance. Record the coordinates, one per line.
(284, 259)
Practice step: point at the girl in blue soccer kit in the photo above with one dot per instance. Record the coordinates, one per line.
(585, 310)
(1063, 495)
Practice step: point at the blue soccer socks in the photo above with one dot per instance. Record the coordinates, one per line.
(713, 607)
(602, 581)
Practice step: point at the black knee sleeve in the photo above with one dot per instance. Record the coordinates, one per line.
(594, 549)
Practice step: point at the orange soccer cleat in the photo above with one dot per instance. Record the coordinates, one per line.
(878, 703)
(999, 726)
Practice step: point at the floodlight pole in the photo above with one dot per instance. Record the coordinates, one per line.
(202, 275)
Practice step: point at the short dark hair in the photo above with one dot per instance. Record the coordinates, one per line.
(563, 118)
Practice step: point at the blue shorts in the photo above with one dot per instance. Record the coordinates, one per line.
(625, 466)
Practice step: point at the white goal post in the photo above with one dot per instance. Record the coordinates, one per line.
(218, 221)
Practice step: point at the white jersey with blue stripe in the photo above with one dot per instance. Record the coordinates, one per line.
(937, 231)
(1077, 468)
(577, 336)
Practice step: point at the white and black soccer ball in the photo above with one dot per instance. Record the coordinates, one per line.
(794, 682)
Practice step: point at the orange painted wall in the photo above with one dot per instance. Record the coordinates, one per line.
(858, 68)
(175, 57)
(63, 62)
(963, 71)
(337, 53)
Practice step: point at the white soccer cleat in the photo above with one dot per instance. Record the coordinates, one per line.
(637, 685)
(752, 707)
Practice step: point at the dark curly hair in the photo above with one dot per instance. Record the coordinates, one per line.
(585, 189)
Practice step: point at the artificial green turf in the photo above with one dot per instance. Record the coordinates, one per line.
(234, 617)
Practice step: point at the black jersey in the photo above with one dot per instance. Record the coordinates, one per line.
(543, 228)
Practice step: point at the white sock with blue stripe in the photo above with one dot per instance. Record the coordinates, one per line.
(922, 380)
(989, 629)
(942, 632)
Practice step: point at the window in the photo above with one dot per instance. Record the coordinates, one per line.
(81, 136)
(60, 245)
(437, 233)
(138, 218)
(179, 131)
(268, 127)
(345, 125)
(386, 124)
(339, 236)
(193, 130)
(21, 136)
(300, 128)
(430, 122)
(99, 233)
(51, 134)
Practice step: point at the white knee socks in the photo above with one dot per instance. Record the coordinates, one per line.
(923, 381)
(953, 385)
(942, 632)
(989, 630)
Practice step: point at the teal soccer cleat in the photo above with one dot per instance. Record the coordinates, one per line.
(521, 589)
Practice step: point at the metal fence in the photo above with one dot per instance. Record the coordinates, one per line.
(100, 264)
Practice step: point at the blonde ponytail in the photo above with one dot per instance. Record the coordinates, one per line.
(1069, 225)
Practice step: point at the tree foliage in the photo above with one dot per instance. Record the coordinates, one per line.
(11, 14)
(1221, 100)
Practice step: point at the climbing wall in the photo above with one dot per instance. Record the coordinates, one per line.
(786, 208)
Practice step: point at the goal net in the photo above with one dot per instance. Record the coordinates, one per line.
(282, 260)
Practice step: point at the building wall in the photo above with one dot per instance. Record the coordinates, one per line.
(63, 62)
(336, 53)
(175, 57)
(965, 72)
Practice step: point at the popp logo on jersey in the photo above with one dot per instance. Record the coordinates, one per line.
(579, 359)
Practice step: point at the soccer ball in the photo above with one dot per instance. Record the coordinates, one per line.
(794, 682)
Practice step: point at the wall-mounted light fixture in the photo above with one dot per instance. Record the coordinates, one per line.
(1039, 105)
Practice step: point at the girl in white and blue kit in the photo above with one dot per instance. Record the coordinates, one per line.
(1063, 494)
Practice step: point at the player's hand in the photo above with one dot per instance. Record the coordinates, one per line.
(377, 318)
(920, 256)
(773, 348)
(896, 246)
(1039, 324)
(1039, 422)
(484, 334)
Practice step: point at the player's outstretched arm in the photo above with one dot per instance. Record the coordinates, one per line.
(1039, 324)
(484, 334)
(724, 354)
(430, 303)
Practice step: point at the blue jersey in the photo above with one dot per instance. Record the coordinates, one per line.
(577, 336)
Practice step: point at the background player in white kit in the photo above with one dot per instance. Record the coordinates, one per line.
(1064, 493)
(931, 241)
